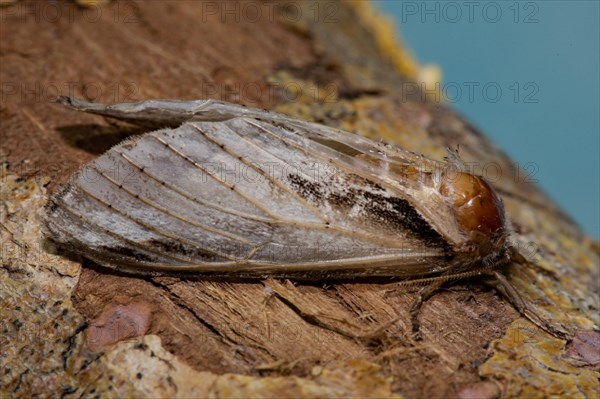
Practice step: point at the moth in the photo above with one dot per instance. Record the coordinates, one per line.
(225, 190)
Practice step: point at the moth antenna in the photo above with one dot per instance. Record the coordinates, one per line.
(453, 155)
(453, 158)
(442, 279)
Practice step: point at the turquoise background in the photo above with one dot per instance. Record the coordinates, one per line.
(544, 56)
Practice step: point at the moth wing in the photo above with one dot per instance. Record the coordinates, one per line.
(223, 197)
(406, 175)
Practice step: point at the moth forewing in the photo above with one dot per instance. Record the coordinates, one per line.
(135, 205)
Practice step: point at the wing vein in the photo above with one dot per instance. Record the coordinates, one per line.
(153, 228)
(98, 256)
(213, 175)
(271, 178)
(192, 198)
(383, 178)
(136, 244)
(152, 204)
(272, 222)
(325, 226)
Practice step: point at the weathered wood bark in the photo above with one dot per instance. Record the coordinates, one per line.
(69, 327)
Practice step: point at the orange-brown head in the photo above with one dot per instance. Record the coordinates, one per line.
(478, 209)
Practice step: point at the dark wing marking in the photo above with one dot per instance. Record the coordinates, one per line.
(417, 199)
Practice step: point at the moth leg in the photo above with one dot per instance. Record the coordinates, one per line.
(509, 292)
(424, 294)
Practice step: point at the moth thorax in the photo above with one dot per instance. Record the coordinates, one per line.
(478, 209)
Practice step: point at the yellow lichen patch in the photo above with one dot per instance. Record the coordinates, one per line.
(92, 3)
(398, 122)
(353, 378)
(293, 90)
(23, 246)
(529, 363)
(405, 126)
(40, 322)
(545, 294)
(388, 38)
(390, 43)
(159, 373)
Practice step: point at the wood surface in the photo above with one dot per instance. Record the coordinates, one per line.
(70, 327)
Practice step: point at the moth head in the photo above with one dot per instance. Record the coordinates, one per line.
(477, 207)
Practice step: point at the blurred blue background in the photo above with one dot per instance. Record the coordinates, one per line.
(544, 56)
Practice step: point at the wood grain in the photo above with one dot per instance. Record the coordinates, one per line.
(342, 76)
